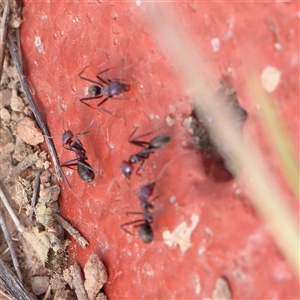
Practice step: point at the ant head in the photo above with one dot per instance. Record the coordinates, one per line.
(126, 169)
(67, 137)
(146, 233)
(94, 90)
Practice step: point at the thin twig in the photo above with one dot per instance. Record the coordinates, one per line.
(5, 295)
(77, 282)
(11, 246)
(12, 284)
(5, 251)
(4, 33)
(18, 39)
(35, 193)
(42, 125)
(17, 222)
(72, 231)
(47, 293)
(27, 162)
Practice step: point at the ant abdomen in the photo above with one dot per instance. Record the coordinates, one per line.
(116, 88)
(146, 233)
(85, 172)
(160, 141)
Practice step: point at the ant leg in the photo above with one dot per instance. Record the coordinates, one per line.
(135, 141)
(72, 162)
(104, 71)
(99, 108)
(103, 101)
(145, 134)
(87, 79)
(85, 164)
(68, 183)
(122, 226)
(143, 155)
(103, 81)
(133, 213)
(66, 179)
(82, 100)
(153, 199)
(76, 162)
(67, 148)
(129, 66)
(140, 166)
(132, 134)
(140, 143)
(78, 135)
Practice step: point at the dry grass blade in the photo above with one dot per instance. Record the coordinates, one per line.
(4, 33)
(278, 133)
(17, 222)
(10, 245)
(259, 182)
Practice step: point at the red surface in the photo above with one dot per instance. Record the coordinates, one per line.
(235, 242)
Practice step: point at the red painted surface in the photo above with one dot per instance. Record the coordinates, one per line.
(229, 240)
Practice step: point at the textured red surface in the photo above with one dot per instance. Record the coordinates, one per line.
(229, 241)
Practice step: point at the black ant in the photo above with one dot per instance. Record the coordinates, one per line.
(72, 142)
(149, 147)
(145, 231)
(105, 88)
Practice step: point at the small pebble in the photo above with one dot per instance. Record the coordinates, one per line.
(16, 116)
(4, 114)
(101, 296)
(270, 78)
(45, 176)
(5, 97)
(95, 276)
(4, 138)
(46, 165)
(29, 132)
(222, 290)
(39, 284)
(170, 121)
(16, 103)
(215, 43)
(9, 148)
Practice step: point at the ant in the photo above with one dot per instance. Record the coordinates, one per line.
(104, 88)
(149, 147)
(72, 142)
(145, 231)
